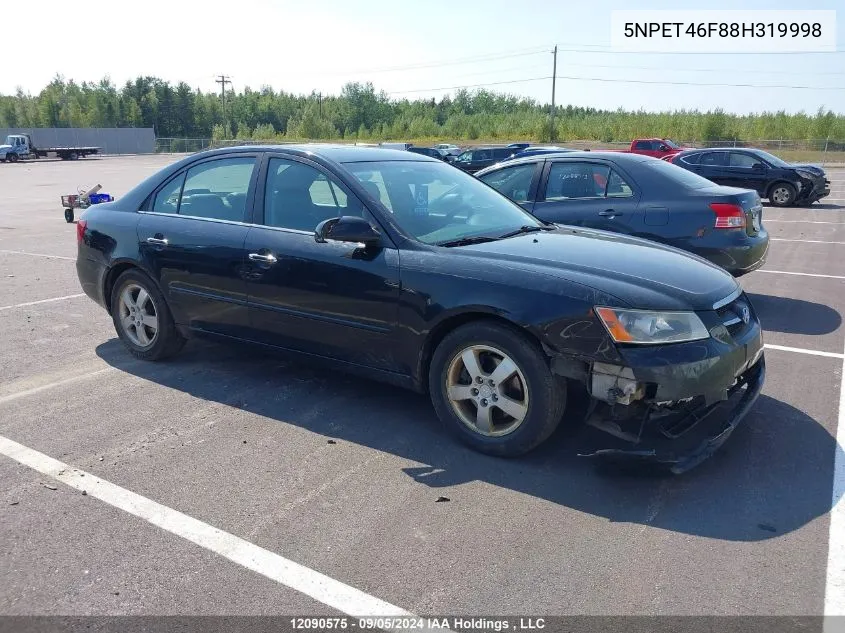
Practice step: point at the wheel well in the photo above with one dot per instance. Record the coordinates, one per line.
(111, 277)
(442, 329)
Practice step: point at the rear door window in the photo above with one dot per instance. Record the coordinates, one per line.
(738, 159)
(617, 186)
(569, 180)
(218, 189)
(713, 159)
(167, 199)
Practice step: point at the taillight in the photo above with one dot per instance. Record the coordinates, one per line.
(81, 225)
(728, 216)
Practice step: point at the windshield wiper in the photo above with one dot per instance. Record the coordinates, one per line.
(527, 228)
(466, 241)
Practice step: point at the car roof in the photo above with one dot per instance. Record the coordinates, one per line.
(337, 153)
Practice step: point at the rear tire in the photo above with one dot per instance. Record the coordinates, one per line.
(142, 318)
(782, 194)
(498, 411)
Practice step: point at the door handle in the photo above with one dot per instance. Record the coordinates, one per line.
(157, 241)
(609, 213)
(268, 258)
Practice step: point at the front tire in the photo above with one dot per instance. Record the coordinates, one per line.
(492, 386)
(782, 194)
(142, 319)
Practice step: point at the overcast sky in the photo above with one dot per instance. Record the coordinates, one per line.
(408, 48)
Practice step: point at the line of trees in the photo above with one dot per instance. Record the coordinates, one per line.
(362, 113)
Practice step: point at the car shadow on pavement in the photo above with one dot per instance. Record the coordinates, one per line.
(794, 316)
(773, 476)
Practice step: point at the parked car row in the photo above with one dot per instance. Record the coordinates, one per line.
(784, 184)
(639, 196)
(394, 265)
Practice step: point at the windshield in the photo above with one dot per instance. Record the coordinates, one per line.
(772, 159)
(672, 144)
(435, 203)
(680, 175)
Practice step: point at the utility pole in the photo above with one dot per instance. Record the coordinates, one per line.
(554, 77)
(223, 80)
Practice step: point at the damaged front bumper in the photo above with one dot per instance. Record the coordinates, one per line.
(676, 404)
(691, 433)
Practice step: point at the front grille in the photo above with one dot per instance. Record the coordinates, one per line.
(736, 316)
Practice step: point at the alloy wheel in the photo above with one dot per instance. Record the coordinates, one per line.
(487, 390)
(138, 315)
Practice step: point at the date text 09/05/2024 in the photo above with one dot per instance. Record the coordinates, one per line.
(407, 623)
(722, 29)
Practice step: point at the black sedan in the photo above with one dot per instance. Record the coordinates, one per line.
(784, 184)
(641, 196)
(402, 268)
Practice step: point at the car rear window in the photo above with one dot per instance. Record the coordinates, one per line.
(680, 175)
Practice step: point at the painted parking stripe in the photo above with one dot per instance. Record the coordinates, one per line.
(35, 303)
(53, 385)
(803, 222)
(320, 587)
(834, 594)
(801, 350)
(786, 272)
(73, 259)
(784, 239)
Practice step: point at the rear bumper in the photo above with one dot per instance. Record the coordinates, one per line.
(738, 254)
(92, 278)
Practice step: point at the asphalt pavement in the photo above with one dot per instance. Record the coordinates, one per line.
(348, 477)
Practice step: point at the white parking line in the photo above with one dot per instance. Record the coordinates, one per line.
(784, 239)
(803, 222)
(52, 385)
(834, 594)
(73, 259)
(320, 587)
(801, 350)
(35, 303)
(786, 272)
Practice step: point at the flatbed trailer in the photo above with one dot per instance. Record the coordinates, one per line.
(20, 147)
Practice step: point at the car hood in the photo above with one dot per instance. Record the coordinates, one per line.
(813, 169)
(2, 147)
(640, 273)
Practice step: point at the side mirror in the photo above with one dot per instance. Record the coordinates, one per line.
(347, 229)
(758, 166)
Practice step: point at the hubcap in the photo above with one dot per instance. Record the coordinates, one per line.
(487, 390)
(781, 194)
(138, 315)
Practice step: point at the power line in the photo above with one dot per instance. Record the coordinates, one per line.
(710, 70)
(492, 83)
(437, 64)
(699, 83)
(611, 51)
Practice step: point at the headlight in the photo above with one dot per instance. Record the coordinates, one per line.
(805, 174)
(649, 328)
